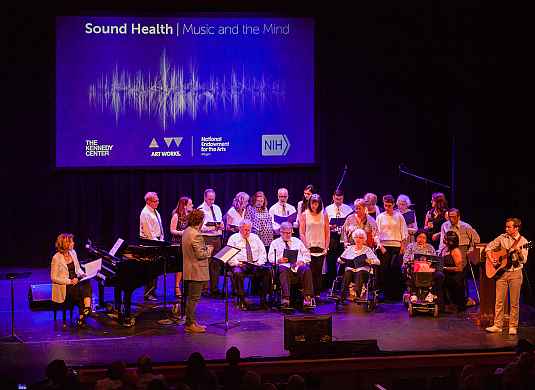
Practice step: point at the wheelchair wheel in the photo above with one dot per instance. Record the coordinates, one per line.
(410, 308)
(435, 311)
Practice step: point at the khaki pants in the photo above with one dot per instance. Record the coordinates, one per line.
(512, 281)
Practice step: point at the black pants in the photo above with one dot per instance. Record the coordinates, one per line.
(76, 294)
(390, 273)
(303, 276)
(214, 265)
(359, 278)
(336, 248)
(316, 266)
(260, 274)
(454, 287)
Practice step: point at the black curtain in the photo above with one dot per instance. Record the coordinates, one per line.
(395, 84)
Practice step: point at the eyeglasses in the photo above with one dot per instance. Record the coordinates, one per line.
(283, 196)
(286, 232)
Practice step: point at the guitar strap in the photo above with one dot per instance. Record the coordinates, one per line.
(513, 247)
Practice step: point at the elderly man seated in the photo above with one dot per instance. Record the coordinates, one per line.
(249, 261)
(292, 273)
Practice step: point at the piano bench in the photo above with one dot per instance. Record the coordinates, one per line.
(63, 307)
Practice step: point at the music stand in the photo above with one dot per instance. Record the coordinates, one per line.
(225, 255)
(11, 276)
(166, 320)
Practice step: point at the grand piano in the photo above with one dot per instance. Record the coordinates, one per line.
(129, 266)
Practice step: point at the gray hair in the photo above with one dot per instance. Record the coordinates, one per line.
(358, 232)
(286, 225)
(244, 222)
(150, 195)
(403, 198)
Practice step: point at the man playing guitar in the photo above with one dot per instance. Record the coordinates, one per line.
(516, 254)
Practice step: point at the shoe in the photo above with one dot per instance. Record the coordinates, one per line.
(243, 304)
(307, 302)
(494, 329)
(430, 298)
(200, 326)
(363, 294)
(150, 297)
(513, 331)
(85, 313)
(414, 299)
(193, 328)
(470, 302)
(285, 302)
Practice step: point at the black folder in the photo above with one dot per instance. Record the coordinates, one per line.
(356, 262)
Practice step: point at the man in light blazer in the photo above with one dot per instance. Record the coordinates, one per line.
(196, 274)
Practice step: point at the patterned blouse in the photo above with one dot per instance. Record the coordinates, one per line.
(261, 221)
(180, 225)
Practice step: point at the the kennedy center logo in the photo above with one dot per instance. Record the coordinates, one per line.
(275, 145)
(169, 145)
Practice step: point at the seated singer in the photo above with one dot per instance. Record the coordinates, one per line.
(358, 275)
(249, 261)
(292, 273)
(65, 274)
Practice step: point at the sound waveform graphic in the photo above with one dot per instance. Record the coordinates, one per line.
(172, 94)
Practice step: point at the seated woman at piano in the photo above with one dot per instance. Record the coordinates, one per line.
(357, 259)
(179, 223)
(65, 274)
(422, 247)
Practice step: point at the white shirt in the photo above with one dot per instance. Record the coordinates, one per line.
(278, 246)
(235, 217)
(150, 224)
(351, 252)
(257, 247)
(276, 209)
(392, 229)
(332, 211)
(208, 217)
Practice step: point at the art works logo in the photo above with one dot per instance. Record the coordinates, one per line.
(169, 144)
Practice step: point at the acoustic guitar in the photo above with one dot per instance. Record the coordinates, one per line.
(502, 259)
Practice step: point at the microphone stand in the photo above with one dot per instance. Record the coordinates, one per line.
(227, 324)
(343, 177)
(403, 170)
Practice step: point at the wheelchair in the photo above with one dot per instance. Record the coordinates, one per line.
(368, 297)
(420, 286)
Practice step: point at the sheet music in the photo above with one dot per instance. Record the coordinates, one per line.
(116, 246)
(91, 269)
(227, 253)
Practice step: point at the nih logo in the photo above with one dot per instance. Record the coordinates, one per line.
(275, 145)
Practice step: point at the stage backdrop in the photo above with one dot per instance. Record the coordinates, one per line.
(394, 84)
(184, 91)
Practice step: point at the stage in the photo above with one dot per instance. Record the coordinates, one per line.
(260, 334)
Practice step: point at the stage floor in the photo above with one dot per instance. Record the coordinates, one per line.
(260, 333)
